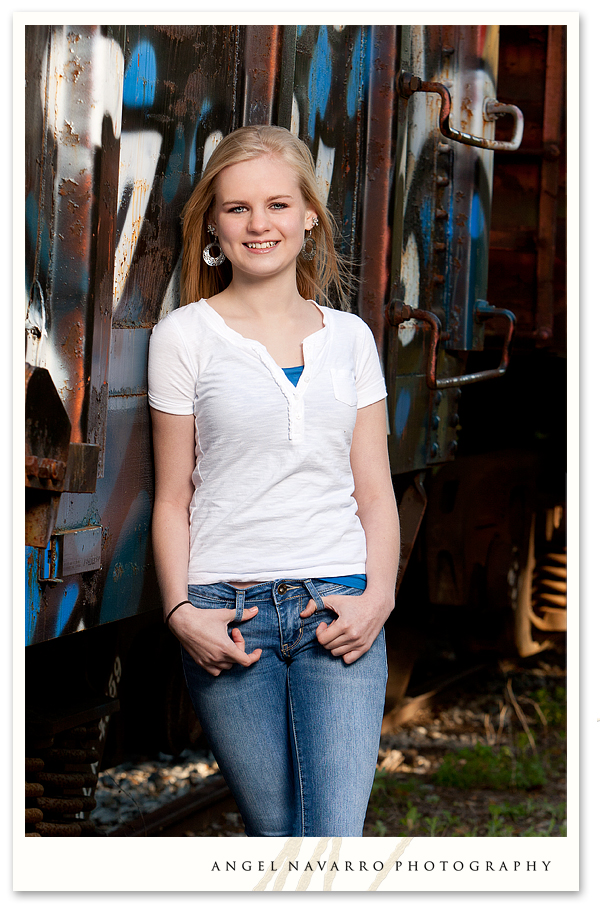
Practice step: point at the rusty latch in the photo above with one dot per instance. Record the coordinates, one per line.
(483, 311)
(407, 84)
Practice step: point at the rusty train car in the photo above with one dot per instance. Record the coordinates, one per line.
(441, 152)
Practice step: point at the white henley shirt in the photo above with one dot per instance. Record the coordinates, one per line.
(272, 483)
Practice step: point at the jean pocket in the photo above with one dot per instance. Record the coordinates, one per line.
(203, 598)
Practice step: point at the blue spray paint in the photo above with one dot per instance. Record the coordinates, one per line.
(354, 81)
(127, 568)
(401, 412)
(67, 605)
(139, 85)
(319, 80)
(476, 221)
(426, 227)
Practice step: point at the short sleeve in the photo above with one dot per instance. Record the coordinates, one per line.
(172, 375)
(370, 383)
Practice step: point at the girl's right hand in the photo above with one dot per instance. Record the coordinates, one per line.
(203, 634)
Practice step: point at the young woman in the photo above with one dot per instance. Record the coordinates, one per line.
(275, 527)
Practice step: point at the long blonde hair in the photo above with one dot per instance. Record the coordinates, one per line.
(317, 278)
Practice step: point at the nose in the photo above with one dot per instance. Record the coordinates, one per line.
(258, 221)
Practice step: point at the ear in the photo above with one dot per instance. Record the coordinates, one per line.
(311, 216)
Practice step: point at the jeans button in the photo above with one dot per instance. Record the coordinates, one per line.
(282, 588)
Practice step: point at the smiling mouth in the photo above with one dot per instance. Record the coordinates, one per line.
(264, 245)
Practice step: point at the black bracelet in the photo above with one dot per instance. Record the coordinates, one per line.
(176, 608)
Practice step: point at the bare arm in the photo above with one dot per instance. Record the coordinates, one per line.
(174, 462)
(377, 508)
(203, 633)
(360, 619)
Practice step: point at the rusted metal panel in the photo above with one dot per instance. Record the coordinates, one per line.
(527, 242)
(73, 100)
(550, 173)
(377, 192)
(47, 432)
(262, 61)
(441, 219)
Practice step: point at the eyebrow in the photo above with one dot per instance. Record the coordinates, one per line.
(243, 202)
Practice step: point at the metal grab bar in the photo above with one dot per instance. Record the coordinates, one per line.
(408, 84)
(483, 311)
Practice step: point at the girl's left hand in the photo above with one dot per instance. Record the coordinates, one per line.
(359, 620)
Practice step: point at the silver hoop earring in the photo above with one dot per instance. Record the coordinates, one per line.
(309, 247)
(209, 259)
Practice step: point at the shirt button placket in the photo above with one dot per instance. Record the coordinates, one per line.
(297, 419)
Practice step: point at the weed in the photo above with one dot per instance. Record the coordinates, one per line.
(496, 827)
(379, 829)
(412, 816)
(553, 705)
(388, 787)
(433, 825)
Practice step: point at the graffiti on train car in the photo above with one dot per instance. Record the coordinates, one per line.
(440, 258)
(120, 121)
(163, 96)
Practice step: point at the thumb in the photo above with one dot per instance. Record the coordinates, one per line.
(309, 609)
(248, 613)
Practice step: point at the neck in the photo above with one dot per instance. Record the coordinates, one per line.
(265, 295)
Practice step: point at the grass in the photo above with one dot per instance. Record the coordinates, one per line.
(492, 768)
(509, 783)
(419, 812)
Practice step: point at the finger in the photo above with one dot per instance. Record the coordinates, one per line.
(238, 639)
(248, 613)
(352, 656)
(327, 634)
(309, 609)
(227, 661)
(246, 660)
(336, 639)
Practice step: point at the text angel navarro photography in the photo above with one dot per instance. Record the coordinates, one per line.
(440, 865)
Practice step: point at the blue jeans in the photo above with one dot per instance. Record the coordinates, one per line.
(296, 735)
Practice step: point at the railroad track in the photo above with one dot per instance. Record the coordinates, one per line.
(171, 819)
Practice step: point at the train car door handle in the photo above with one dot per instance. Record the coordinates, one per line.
(483, 311)
(408, 84)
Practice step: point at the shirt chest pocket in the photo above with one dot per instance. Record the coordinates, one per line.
(344, 386)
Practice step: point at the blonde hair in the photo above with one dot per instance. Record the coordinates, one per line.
(326, 273)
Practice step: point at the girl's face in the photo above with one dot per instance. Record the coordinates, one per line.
(261, 216)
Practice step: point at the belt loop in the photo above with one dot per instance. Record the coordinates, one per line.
(310, 587)
(240, 597)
